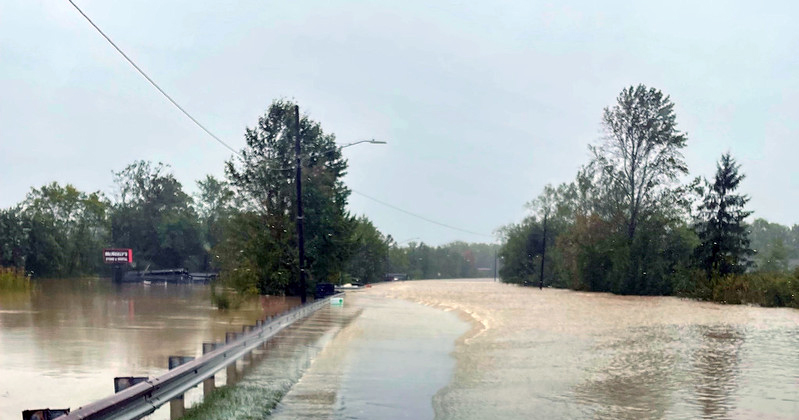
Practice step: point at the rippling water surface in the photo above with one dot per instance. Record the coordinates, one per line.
(563, 354)
(62, 344)
(476, 350)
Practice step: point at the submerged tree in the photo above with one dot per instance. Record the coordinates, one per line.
(724, 238)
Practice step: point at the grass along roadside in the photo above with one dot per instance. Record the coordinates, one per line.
(248, 401)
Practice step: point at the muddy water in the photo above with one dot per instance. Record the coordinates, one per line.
(62, 344)
(561, 354)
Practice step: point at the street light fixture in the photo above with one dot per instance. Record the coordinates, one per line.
(300, 232)
(372, 141)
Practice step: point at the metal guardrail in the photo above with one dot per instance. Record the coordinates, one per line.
(145, 397)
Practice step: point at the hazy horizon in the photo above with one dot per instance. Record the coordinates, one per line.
(481, 106)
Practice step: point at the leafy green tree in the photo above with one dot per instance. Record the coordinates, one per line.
(453, 260)
(67, 230)
(14, 230)
(631, 186)
(522, 243)
(724, 247)
(793, 241)
(155, 218)
(264, 179)
(775, 258)
(215, 205)
(253, 261)
(368, 262)
(772, 244)
(641, 155)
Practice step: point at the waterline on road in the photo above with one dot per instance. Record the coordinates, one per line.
(388, 364)
(559, 354)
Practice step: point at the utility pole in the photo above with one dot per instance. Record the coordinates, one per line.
(388, 257)
(495, 265)
(543, 254)
(300, 233)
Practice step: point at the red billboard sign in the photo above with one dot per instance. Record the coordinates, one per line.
(117, 255)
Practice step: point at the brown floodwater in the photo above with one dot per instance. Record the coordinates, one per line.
(479, 350)
(62, 343)
(559, 354)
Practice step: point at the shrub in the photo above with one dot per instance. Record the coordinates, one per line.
(761, 288)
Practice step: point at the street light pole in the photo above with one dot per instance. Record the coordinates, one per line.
(300, 232)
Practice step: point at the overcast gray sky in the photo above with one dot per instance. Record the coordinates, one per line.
(482, 103)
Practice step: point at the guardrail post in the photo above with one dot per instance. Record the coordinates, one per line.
(209, 384)
(125, 382)
(231, 368)
(176, 406)
(44, 413)
(143, 398)
(247, 359)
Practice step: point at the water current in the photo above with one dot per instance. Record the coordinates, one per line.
(555, 354)
(448, 349)
(62, 344)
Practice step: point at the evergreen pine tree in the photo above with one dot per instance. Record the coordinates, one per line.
(724, 236)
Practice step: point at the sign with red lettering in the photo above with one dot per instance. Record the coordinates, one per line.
(117, 255)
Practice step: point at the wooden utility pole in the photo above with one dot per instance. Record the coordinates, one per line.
(495, 265)
(300, 233)
(543, 254)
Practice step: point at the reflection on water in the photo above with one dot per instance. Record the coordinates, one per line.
(716, 367)
(558, 354)
(62, 344)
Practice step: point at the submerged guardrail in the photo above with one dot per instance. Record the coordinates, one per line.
(145, 395)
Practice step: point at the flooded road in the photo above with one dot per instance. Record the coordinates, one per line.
(559, 354)
(388, 363)
(62, 344)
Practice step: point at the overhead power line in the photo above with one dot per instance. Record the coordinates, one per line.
(236, 152)
(152, 82)
(169, 98)
(419, 216)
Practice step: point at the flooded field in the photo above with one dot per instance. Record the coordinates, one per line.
(559, 354)
(62, 344)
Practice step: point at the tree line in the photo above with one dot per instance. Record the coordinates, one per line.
(243, 226)
(60, 231)
(628, 225)
(458, 259)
